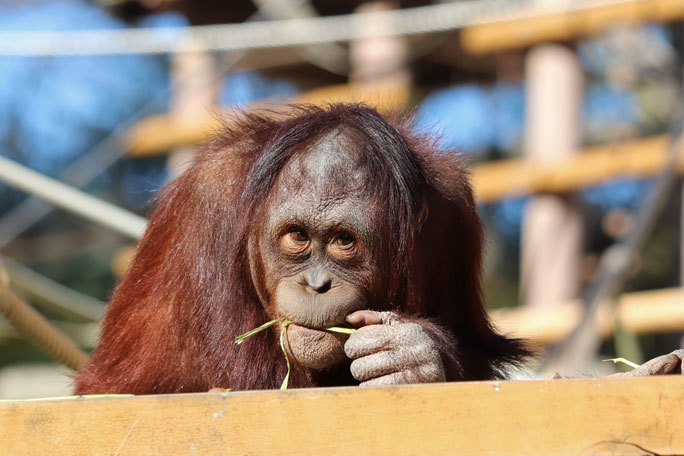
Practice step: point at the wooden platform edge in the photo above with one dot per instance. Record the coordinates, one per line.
(555, 417)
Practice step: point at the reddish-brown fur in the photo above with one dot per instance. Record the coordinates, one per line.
(171, 322)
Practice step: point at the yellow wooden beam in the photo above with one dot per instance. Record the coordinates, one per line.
(532, 28)
(642, 312)
(158, 134)
(492, 181)
(595, 416)
(637, 158)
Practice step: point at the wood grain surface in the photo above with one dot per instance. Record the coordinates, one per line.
(555, 417)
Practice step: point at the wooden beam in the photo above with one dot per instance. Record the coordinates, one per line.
(643, 157)
(532, 27)
(595, 416)
(642, 312)
(158, 134)
(492, 181)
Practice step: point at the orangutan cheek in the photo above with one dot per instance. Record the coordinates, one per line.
(314, 349)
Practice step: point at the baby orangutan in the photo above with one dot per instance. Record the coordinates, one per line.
(324, 217)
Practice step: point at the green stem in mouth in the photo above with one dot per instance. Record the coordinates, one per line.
(340, 329)
(243, 337)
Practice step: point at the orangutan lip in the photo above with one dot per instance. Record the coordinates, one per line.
(304, 330)
(306, 327)
(312, 328)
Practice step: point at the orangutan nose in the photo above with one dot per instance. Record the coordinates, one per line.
(317, 281)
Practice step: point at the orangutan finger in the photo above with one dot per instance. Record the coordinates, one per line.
(371, 317)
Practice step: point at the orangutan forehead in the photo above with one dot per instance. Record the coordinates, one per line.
(323, 186)
(330, 169)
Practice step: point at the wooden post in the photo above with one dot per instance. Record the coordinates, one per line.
(195, 83)
(681, 248)
(378, 62)
(552, 226)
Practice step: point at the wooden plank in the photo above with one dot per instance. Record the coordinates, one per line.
(534, 26)
(492, 181)
(643, 157)
(555, 417)
(644, 312)
(158, 134)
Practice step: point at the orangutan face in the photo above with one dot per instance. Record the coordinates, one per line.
(317, 249)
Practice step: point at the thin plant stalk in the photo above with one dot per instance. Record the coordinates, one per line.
(623, 361)
(283, 386)
(285, 323)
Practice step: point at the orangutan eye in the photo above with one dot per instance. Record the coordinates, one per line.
(343, 241)
(299, 236)
(296, 240)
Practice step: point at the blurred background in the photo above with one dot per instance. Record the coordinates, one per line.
(566, 112)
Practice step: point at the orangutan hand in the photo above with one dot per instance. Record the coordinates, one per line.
(662, 365)
(388, 351)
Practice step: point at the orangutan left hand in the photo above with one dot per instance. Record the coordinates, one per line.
(662, 365)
